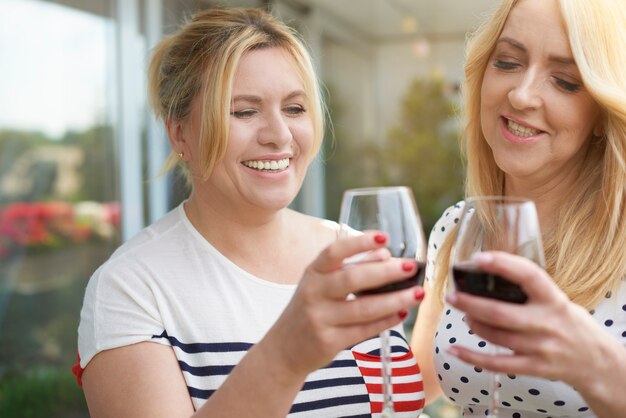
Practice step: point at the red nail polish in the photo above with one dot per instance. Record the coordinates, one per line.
(403, 313)
(408, 265)
(380, 238)
(419, 293)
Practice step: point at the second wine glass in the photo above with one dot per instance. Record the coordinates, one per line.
(391, 210)
(494, 223)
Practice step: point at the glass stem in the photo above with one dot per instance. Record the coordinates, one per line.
(386, 371)
(494, 389)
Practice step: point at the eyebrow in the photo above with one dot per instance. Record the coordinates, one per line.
(554, 58)
(256, 99)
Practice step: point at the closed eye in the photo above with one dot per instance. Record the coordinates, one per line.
(243, 114)
(505, 65)
(294, 110)
(567, 86)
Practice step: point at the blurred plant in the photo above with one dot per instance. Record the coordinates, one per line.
(422, 150)
(46, 392)
(48, 225)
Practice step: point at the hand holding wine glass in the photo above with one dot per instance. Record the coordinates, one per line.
(494, 223)
(393, 211)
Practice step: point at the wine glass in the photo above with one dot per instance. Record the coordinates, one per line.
(391, 210)
(494, 223)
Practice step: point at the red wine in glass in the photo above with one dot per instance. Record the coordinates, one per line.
(472, 280)
(416, 279)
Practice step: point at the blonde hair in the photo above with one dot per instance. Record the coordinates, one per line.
(585, 254)
(201, 58)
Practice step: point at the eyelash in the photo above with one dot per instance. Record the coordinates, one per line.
(565, 85)
(290, 110)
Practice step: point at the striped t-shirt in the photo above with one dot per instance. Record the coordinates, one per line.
(170, 286)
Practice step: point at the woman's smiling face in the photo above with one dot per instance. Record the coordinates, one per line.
(270, 138)
(536, 115)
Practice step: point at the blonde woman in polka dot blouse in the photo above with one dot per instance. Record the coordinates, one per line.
(545, 103)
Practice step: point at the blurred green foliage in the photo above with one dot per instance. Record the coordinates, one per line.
(421, 151)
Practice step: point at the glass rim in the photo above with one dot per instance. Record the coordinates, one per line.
(371, 190)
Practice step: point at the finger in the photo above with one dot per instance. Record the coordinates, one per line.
(499, 363)
(371, 308)
(359, 332)
(537, 284)
(331, 258)
(518, 342)
(358, 277)
(491, 311)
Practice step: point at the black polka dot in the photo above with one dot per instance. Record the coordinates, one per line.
(533, 392)
(482, 344)
(435, 245)
(452, 340)
(446, 366)
(608, 294)
(624, 308)
(543, 411)
(478, 369)
(448, 326)
(452, 399)
(436, 350)
(448, 312)
(583, 409)
(516, 415)
(471, 410)
(455, 390)
(624, 334)
(505, 403)
(447, 213)
(518, 399)
(476, 400)
(470, 332)
(487, 413)
(511, 376)
(484, 392)
(592, 312)
(456, 220)
(443, 229)
(559, 403)
(440, 378)
(464, 379)
(608, 322)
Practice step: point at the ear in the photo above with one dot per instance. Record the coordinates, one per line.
(599, 129)
(176, 135)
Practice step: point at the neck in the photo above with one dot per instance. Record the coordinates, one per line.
(233, 229)
(548, 197)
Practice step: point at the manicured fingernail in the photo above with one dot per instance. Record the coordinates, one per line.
(483, 258)
(419, 293)
(451, 298)
(380, 238)
(408, 265)
(403, 313)
(453, 351)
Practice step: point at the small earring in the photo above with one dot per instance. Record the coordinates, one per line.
(181, 155)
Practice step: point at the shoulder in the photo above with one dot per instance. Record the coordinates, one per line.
(438, 235)
(448, 220)
(323, 229)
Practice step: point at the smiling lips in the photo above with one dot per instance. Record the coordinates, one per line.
(267, 165)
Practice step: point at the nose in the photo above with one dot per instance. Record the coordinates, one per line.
(526, 94)
(276, 130)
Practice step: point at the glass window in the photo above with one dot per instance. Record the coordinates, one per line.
(59, 211)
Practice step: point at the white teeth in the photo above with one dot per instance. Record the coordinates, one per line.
(520, 130)
(270, 165)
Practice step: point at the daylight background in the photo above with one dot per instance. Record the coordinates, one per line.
(80, 152)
